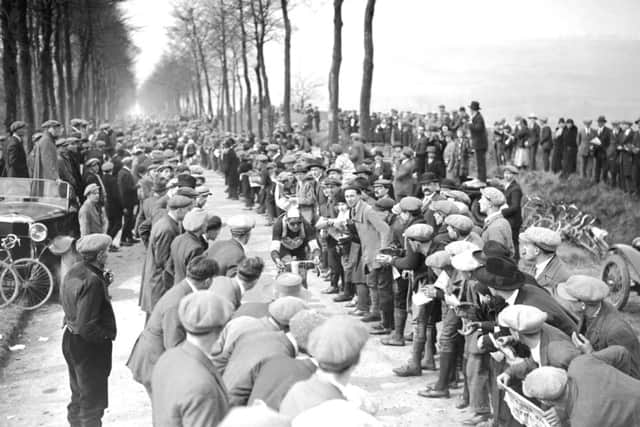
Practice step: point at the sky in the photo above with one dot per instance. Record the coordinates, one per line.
(413, 38)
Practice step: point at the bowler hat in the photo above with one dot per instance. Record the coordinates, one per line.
(474, 106)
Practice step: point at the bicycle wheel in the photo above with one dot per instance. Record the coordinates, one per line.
(8, 285)
(35, 283)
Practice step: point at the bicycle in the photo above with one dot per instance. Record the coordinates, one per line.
(299, 267)
(26, 282)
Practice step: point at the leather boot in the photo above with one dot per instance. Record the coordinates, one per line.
(427, 361)
(347, 293)
(397, 337)
(441, 388)
(412, 368)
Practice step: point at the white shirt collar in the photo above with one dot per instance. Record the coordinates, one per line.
(541, 266)
(535, 353)
(291, 338)
(241, 286)
(512, 299)
(190, 283)
(244, 249)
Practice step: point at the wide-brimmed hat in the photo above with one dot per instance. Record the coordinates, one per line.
(501, 274)
(475, 105)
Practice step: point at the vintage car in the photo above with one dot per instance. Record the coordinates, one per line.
(39, 220)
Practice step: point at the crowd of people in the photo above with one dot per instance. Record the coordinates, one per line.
(406, 243)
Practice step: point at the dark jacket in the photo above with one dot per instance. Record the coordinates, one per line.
(183, 249)
(275, 377)
(228, 254)
(479, 139)
(513, 211)
(16, 159)
(113, 206)
(128, 189)
(539, 298)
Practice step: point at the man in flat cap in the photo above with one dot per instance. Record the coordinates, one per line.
(151, 208)
(128, 199)
(513, 199)
(403, 180)
(113, 206)
(586, 149)
(154, 282)
(91, 216)
(538, 248)
(591, 393)
(233, 288)
(601, 324)
(229, 253)
(91, 175)
(496, 227)
(336, 346)
(602, 152)
(15, 154)
(164, 330)
(89, 329)
(546, 142)
(45, 164)
(187, 245)
(193, 395)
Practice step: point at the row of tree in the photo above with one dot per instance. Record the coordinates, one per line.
(64, 59)
(215, 64)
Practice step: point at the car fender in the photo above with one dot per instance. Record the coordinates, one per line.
(632, 258)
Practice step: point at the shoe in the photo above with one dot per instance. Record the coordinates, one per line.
(133, 240)
(409, 337)
(351, 304)
(429, 365)
(358, 312)
(488, 423)
(408, 370)
(342, 298)
(476, 419)
(454, 385)
(329, 290)
(462, 403)
(434, 394)
(393, 341)
(125, 243)
(379, 330)
(371, 317)
(113, 249)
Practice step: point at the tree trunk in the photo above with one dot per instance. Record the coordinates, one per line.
(46, 69)
(233, 94)
(259, 65)
(367, 72)
(203, 61)
(26, 88)
(260, 107)
(57, 43)
(245, 67)
(334, 74)
(225, 67)
(8, 19)
(286, 107)
(241, 99)
(67, 59)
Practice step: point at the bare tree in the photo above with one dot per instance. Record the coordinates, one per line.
(8, 18)
(286, 102)
(367, 71)
(26, 88)
(334, 73)
(245, 66)
(305, 89)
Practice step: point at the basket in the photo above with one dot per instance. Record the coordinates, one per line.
(523, 410)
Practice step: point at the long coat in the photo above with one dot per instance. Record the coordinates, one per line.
(404, 183)
(153, 285)
(193, 395)
(228, 254)
(610, 328)
(308, 394)
(128, 189)
(91, 218)
(555, 272)
(513, 211)
(557, 316)
(45, 164)
(275, 377)
(373, 232)
(162, 331)
(601, 395)
(183, 249)
(16, 159)
(113, 206)
(479, 138)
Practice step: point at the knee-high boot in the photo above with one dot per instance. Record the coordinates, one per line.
(397, 337)
(429, 350)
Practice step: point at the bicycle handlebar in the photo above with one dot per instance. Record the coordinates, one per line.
(10, 241)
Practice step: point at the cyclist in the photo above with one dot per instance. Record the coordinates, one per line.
(293, 238)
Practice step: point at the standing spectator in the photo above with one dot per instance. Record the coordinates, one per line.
(586, 150)
(91, 216)
(538, 246)
(129, 199)
(188, 245)
(570, 142)
(496, 227)
(90, 328)
(316, 118)
(45, 163)
(546, 143)
(230, 163)
(67, 168)
(603, 151)
(459, 161)
(113, 205)
(404, 183)
(16, 156)
(513, 211)
(479, 140)
(521, 158)
(625, 157)
(534, 139)
(558, 146)
(91, 176)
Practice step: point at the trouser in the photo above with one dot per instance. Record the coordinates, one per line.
(501, 414)
(449, 341)
(380, 283)
(533, 153)
(612, 172)
(400, 292)
(127, 225)
(481, 164)
(364, 302)
(599, 169)
(476, 374)
(89, 367)
(115, 223)
(336, 272)
(515, 236)
(546, 163)
(586, 167)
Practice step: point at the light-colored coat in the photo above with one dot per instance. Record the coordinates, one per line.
(373, 232)
(555, 272)
(497, 228)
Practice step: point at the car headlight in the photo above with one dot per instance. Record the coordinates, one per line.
(38, 232)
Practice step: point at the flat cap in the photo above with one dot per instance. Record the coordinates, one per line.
(202, 268)
(214, 222)
(303, 323)
(288, 158)
(419, 232)
(202, 311)
(583, 288)
(100, 143)
(459, 222)
(107, 166)
(250, 268)
(91, 188)
(337, 343)
(331, 182)
(177, 201)
(289, 284)
(93, 243)
(241, 223)
(407, 152)
(460, 246)
(456, 196)
(203, 190)
(384, 204)
(428, 178)
(51, 123)
(512, 169)
(438, 259)
(262, 158)
(186, 180)
(363, 169)
(445, 207)
(62, 142)
(547, 383)
(284, 308)
(92, 161)
(493, 195)
(195, 220)
(187, 192)
(525, 319)
(465, 261)
(410, 204)
(273, 147)
(545, 238)
(17, 125)
(381, 182)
